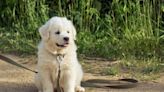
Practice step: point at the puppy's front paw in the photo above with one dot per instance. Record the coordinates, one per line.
(80, 89)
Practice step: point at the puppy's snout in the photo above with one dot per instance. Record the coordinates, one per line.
(66, 39)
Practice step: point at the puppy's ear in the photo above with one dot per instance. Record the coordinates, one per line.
(73, 31)
(44, 33)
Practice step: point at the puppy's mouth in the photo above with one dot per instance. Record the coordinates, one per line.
(62, 45)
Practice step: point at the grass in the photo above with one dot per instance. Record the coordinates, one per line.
(119, 29)
(19, 24)
(110, 71)
(144, 70)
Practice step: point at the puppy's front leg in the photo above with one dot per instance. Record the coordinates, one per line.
(69, 81)
(46, 82)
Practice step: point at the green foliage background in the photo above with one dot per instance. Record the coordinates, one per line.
(106, 28)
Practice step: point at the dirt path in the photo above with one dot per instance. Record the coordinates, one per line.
(14, 79)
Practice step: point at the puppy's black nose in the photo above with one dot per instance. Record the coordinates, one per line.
(66, 39)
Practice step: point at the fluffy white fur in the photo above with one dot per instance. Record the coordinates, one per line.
(52, 34)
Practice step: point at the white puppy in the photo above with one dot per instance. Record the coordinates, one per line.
(58, 36)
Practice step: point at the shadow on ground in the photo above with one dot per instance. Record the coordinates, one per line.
(15, 87)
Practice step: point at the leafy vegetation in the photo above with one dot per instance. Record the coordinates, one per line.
(106, 28)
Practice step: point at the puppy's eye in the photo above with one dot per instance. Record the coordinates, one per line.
(67, 31)
(57, 32)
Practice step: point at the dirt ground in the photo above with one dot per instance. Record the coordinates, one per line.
(14, 79)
